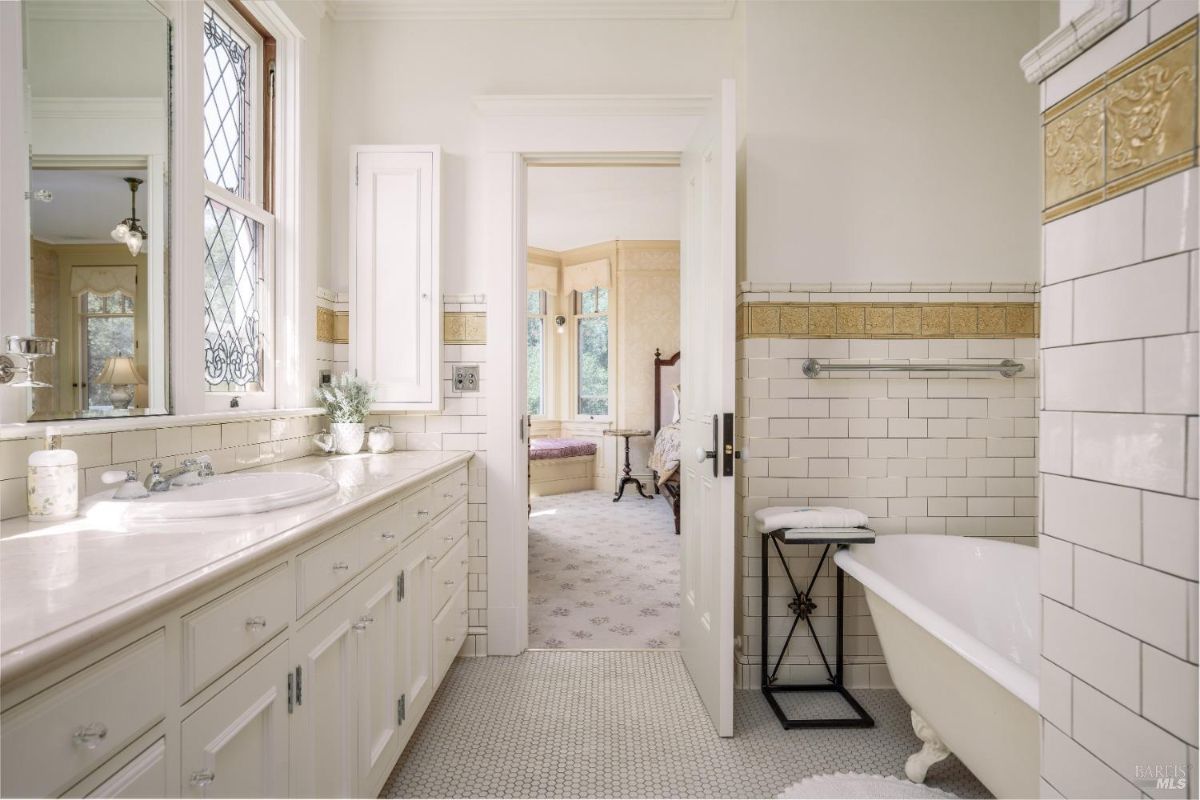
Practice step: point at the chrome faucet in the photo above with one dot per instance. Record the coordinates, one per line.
(188, 473)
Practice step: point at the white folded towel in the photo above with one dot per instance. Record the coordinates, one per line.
(777, 518)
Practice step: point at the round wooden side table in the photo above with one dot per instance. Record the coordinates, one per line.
(626, 473)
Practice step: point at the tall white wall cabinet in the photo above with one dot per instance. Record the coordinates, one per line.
(395, 276)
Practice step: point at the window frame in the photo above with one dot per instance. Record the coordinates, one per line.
(261, 186)
(544, 318)
(577, 317)
(82, 378)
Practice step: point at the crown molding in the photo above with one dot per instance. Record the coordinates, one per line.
(98, 108)
(591, 105)
(1073, 39)
(367, 10)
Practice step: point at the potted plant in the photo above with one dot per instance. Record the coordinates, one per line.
(347, 401)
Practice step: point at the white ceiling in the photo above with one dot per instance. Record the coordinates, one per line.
(576, 206)
(358, 10)
(87, 204)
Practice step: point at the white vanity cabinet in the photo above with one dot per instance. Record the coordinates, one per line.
(296, 677)
(395, 283)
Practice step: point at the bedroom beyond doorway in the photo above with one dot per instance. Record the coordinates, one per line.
(603, 284)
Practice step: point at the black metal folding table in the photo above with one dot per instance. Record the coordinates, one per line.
(802, 606)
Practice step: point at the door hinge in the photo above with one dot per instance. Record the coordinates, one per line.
(291, 677)
(400, 711)
(299, 683)
(399, 587)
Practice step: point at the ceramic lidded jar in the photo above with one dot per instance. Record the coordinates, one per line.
(380, 439)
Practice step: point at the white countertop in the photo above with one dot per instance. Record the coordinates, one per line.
(64, 583)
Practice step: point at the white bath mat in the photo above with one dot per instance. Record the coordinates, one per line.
(868, 787)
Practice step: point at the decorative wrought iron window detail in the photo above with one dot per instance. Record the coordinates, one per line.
(233, 346)
(227, 111)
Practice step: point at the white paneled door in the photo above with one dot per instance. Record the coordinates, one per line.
(708, 268)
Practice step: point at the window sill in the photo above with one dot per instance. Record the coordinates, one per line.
(31, 430)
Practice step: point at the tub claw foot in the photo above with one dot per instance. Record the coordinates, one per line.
(933, 751)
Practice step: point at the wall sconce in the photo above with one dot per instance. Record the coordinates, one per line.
(129, 231)
(561, 322)
(29, 348)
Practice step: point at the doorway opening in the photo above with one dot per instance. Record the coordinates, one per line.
(603, 383)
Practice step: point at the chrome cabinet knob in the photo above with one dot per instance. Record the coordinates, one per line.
(447, 538)
(386, 536)
(202, 778)
(447, 495)
(449, 581)
(421, 513)
(340, 565)
(255, 623)
(362, 623)
(450, 638)
(431, 559)
(90, 735)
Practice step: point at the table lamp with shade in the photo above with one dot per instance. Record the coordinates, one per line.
(120, 372)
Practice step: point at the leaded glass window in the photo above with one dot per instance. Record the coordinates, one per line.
(232, 311)
(238, 229)
(227, 109)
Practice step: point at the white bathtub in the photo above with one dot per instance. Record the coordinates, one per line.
(958, 621)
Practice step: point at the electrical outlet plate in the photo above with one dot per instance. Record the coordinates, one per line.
(466, 378)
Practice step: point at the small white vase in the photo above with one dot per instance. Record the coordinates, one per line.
(347, 436)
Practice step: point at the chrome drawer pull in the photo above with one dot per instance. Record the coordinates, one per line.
(338, 565)
(463, 484)
(422, 513)
(90, 735)
(447, 538)
(387, 536)
(463, 562)
(256, 622)
(450, 582)
(447, 495)
(202, 778)
(431, 558)
(451, 638)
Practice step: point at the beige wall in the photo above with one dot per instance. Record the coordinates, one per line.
(890, 141)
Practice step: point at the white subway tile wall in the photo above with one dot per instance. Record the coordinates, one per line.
(227, 445)
(952, 453)
(1119, 523)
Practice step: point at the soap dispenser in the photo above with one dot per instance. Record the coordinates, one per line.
(53, 485)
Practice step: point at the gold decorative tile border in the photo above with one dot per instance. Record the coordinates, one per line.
(341, 327)
(1129, 127)
(464, 327)
(324, 324)
(887, 320)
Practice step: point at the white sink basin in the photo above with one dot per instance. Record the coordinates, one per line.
(223, 496)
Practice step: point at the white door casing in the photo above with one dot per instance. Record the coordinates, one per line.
(707, 341)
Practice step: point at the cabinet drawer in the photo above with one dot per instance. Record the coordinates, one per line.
(223, 632)
(324, 568)
(449, 631)
(450, 574)
(449, 490)
(448, 531)
(145, 775)
(56, 737)
(416, 510)
(379, 534)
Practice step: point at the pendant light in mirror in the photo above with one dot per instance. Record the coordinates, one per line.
(129, 231)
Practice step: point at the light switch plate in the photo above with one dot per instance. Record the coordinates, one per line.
(466, 378)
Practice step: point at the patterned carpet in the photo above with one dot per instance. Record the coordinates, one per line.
(612, 724)
(603, 575)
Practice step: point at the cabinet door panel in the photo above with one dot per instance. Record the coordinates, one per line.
(416, 630)
(395, 292)
(378, 671)
(323, 719)
(144, 776)
(236, 744)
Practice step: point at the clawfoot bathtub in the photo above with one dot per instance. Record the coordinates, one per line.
(957, 618)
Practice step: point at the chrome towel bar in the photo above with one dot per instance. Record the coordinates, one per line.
(1008, 368)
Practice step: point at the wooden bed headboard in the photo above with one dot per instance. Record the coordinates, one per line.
(666, 375)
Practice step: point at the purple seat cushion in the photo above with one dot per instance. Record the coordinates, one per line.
(560, 448)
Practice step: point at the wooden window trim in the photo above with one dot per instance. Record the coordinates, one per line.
(268, 104)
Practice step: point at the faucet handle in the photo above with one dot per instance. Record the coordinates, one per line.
(156, 468)
(206, 469)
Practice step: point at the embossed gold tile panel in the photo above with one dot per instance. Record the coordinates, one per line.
(887, 320)
(324, 324)
(464, 327)
(341, 327)
(1133, 125)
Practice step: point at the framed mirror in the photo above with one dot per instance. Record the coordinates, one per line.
(97, 82)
